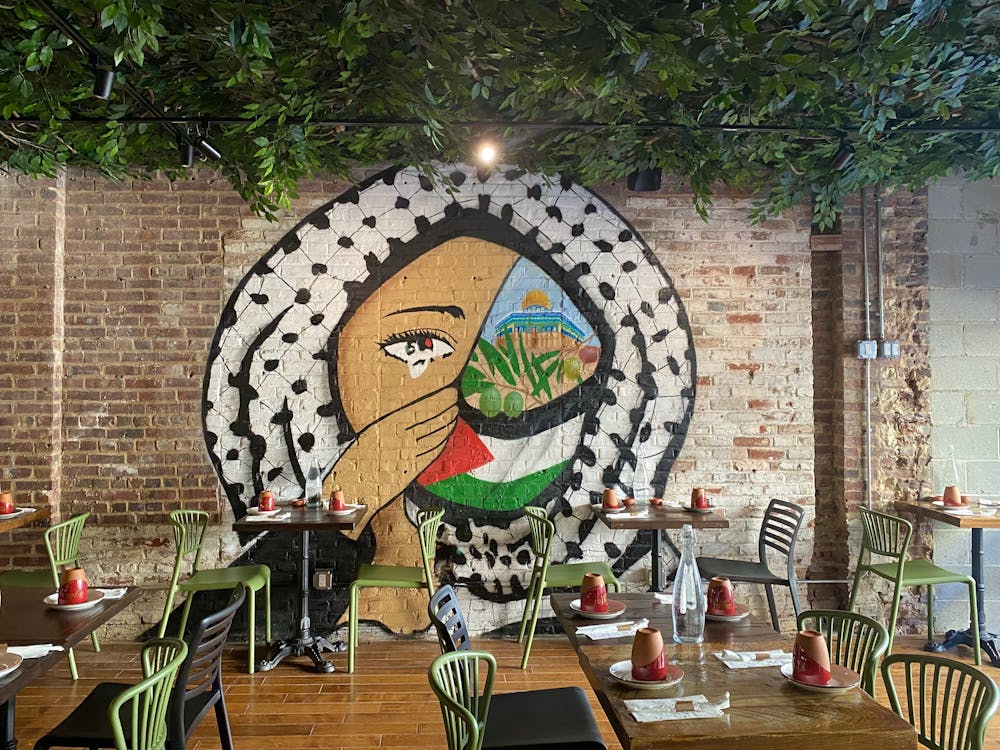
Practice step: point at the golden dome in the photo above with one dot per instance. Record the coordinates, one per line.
(535, 298)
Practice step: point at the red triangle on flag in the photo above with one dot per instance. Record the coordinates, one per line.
(463, 452)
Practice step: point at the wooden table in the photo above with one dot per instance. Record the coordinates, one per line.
(766, 712)
(988, 641)
(657, 519)
(303, 640)
(25, 621)
(11, 522)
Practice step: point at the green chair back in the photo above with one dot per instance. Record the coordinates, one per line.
(854, 641)
(542, 533)
(428, 525)
(463, 683)
(885, 535)
(948, 702)
(189, 535)
(62, 543)
(141, 709)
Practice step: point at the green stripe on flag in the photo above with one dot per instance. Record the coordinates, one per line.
(465, 489)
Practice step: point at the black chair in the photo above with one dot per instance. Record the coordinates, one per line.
(553, 719)
(779, 531)
(197, 689)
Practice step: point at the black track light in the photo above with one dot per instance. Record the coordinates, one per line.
(187, 153)
(104, 80)
(206, 147)
(843, 156)
(645, 180)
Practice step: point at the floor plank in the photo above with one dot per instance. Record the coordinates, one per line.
(386, 703)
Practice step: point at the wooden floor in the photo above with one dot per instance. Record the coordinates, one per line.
(386, 703)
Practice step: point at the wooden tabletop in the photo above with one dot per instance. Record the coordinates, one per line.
(11, 522)
(303, 519)
(766, 713)
(25, 620)
(663, 517)
(940, 513)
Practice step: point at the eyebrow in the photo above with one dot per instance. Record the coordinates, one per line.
(453, 310)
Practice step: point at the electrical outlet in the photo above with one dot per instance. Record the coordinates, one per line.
(867, 349)
(889, 349)
(323, 580)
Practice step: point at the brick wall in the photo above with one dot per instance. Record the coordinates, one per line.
(148, 265)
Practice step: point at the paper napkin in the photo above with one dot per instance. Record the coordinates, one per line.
(611, 630)
(667, 598)
(33, 652)
(670, 709)
(265, 519)
(114, 593)
(751, 659)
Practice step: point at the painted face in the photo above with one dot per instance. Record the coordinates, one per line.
(414, 336)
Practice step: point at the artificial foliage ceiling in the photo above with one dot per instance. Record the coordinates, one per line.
(593, 88)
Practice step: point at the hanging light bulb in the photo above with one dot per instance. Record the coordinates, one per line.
(487, 152)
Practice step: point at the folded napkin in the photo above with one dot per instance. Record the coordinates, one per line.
(751, 659)
(968, 512)
(33, 652)
(114, 593)
(669, 709)
(611, 630)
(667, 598)
(263, 519)
(638, 514)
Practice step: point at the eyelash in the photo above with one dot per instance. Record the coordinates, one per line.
(398, 338)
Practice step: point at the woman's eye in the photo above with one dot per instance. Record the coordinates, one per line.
(417, 349)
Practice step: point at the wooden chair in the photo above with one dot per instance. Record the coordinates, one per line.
(854, 641)
(62, 545)
(889, 536)
(396, 576)
(475, 719)
(197, 688)
(778, 532)
(558, 718)
(948, 702)
(545, 575)
(189, 535)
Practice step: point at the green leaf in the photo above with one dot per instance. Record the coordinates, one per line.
(496, 361)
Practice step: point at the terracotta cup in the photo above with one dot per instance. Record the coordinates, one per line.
(649, 661)
(720, 597)
(810, 659)
(656, 501)
(952, 496)
(337, 501)
(593, 593)
(609, 498)
(72, 586)
(629, 502)
(6, 503)
(265, 501)
(698, 498)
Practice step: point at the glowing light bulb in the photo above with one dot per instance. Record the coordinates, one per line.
(487, 153)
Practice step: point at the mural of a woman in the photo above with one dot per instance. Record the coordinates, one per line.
(482, 348)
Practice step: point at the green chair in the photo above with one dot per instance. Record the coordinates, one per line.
(396, 576)
(138, 714)
(544, 575)
(463, 683)
(889, 536)
(948, 702)
(189, 535)
(854, 641)
(62, 544)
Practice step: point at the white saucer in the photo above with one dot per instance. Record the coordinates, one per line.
(620, 509)
(622, 672)
(689, 509)
(842, 680)
(259, 512)
(615, 609)
(348, 509)
(742, 612)
(8, 663)
(94, 597)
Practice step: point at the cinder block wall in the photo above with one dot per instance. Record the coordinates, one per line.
(964, 252)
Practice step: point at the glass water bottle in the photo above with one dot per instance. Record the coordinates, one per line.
(689, 601)
(314, 485)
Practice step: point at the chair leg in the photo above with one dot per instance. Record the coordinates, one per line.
(539, 591)
(526, 615)
(892, 616)
(185, 612)
(267, 609)
(72, 666)
(222, 719)
(974, 620)
(166, 611)
(858, 573)
(352, 628)
(769, 590)
(252, 628)
(930, 612)
(794, 592)
(93, 639)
